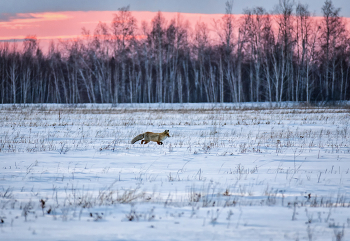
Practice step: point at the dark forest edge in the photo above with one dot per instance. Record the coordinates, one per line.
(281, 56)
(120, 108)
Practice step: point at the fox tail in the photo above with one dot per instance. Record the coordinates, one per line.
(137, 138)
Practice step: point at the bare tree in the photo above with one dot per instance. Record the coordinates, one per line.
(333, 29)
(283, 51)
(157, 35)
(200, 44)
(123, 29)
(225, 30)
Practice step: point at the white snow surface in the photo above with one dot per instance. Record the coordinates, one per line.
(251, 171)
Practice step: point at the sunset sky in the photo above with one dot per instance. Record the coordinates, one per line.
(64, 19)
(185, 6)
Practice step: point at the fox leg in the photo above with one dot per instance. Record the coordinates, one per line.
(144, 142)
(159, 143)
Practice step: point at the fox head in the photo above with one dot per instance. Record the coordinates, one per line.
(167, 133)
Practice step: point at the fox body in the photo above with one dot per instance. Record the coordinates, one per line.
(150, 136)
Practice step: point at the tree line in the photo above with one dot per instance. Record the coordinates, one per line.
(284, 55)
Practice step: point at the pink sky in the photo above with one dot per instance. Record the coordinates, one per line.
(54, 25)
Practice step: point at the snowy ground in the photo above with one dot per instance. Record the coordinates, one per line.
(228, 172)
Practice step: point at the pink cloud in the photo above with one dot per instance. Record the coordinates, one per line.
(32, 20)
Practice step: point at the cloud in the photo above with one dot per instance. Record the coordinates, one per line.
(23, 20)
(23, 37)
(50, 16)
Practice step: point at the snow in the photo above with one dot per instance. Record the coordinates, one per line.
(251, 171)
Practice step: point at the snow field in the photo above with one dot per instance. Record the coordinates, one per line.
(249, 172)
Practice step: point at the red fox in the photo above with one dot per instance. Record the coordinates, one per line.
(150, 136)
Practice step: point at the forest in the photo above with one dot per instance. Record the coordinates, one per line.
(285, 54)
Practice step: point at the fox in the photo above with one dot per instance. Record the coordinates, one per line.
(150, 136)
